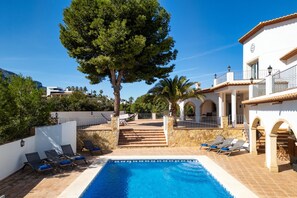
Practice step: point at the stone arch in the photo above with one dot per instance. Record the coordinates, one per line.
(256, 136)
(208, 108)
(190, 115)
(256, 122)
(276, 146)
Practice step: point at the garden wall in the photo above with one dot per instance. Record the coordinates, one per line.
(193, 137)
(106, 138)
(45, 138)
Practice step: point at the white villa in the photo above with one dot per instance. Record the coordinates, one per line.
(264, 95)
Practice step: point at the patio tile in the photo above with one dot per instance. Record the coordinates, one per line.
(246, 168)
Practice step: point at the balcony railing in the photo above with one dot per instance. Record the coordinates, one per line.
(247, 74)
(259, 89)
(222, 78)
(284, 80)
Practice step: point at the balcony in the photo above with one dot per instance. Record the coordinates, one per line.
(245, 75)
(278, 82)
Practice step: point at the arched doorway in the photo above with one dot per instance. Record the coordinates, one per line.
(208, 113)
(189, 111)
(281, 147)
(257, 137)
(208, 108)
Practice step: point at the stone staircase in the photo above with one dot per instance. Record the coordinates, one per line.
(142, 138)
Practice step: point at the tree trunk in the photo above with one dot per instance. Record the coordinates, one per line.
(174, 112)
(117, 99)
(116, 79)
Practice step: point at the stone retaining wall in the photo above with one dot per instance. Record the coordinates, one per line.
(194, 137)
(104, 138)
(189, 137)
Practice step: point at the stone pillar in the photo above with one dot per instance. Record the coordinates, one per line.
(115, 127)
(154, 116)
(269, 85)
(225, 123)
(170, 122)
(271, 153)
(182, 110)
(233, 107)
(253, 141)
(136, 116)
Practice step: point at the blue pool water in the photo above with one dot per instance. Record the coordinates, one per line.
(154, 178)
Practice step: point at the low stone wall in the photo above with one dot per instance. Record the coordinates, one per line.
(194, 137)
(106, 139)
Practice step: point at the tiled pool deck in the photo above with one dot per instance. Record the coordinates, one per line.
(246, 168)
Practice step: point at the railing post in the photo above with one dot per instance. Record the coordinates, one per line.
(154, 116)
(269, 85)
(230, 76)
(215, 82)
(251, 91)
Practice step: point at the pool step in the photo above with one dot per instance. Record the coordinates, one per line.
(142, 138)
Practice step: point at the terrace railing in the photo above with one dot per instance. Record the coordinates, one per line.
(261, 74)
(284, 80)
(259, 89)
(204, 122)
(222, 78)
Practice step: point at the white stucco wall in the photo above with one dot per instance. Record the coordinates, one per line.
(271, 43)
(49, 137)
(270, 114)
(13, 156)
(83, 117)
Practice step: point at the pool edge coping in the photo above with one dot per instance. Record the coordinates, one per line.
(236, 188)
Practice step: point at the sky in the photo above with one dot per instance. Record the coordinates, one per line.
(206, 34)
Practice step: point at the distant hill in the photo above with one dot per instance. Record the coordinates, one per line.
(7, 74)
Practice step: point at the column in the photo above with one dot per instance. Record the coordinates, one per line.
(220, 108)
(182, 110)
(271, 153)
(269, 85)
(233, 107)
(253, 140)
(197, 112)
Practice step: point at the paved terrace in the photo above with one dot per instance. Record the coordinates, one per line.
(246, 168)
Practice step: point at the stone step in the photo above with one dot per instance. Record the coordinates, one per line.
(142, 145)
(142, 138)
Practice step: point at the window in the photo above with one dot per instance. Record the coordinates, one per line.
(255, 70)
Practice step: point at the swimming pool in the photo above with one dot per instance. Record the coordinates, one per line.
(83, 181)
(154, 178)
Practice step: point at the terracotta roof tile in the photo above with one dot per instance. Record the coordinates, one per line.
(289, 54)
(266, 23)
(225, 84)
(279, 98)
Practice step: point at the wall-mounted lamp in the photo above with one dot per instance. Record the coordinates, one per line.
(269, 69)
(56, 115)
(215, 76)
(22, 143)
(229, 68)
(251, 79)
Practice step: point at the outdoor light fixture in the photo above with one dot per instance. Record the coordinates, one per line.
(229, 68)
(22, 143)
(215, 76)
(251, 79)
(56, 115)
(269, 69)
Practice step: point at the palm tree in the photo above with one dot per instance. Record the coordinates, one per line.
(173, 91)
